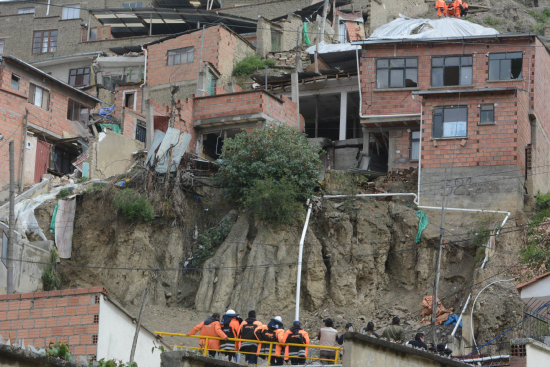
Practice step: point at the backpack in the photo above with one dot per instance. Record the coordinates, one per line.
(296, 338)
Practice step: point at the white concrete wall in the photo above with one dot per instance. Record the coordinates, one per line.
(61, 69)
(540, 288)
(30, 160)
(116, 334)
(538, 355)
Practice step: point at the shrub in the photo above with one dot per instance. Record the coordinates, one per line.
(50, 277)
(268, 152)
(133, 205)
(111, 363)
(250, 64)
(59, 350)
(536, 253)
(63, 193)
(211, 239)
(274, 201)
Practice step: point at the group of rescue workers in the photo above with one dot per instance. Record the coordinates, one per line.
(456, 8)
(252, 332)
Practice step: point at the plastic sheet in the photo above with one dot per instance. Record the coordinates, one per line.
(404, 27)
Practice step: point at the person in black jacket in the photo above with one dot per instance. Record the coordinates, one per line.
(418, 341)
(348, 329)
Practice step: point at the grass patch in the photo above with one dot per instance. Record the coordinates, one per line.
(536, 253)
(542, 18)
(63, 193)
(133, 205)
(50, 278)
(493, 21)
(250, 64)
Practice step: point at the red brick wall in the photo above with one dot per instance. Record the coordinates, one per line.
(70, 316)
(119, 98)
(402, 140)
(485, 145)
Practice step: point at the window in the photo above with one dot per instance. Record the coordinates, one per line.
(77, 112)
(211, 84)
(44, 41)
(487, 114)
(505, 65)
(181, 56)
(415, 145)
(39, 96)
(129, 100)
(93, 34)
(141, 132)
(451, 70)
(397, 73)
(79, 77)
(276, 40)
(25, 11)
(71, 12)
(1, 47)
(342, 32)
(450, 122)
(135, 4)
(4, 249)
(14, 82)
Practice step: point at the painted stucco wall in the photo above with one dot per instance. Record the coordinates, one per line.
(116, 334)
(538, 355)
(30, 158)
(112, 155)
(540, 288)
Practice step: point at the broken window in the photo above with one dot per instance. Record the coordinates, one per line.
(276, 40)
(397, 73)
(450, 122)
(141, 132)
(181, 56)
(44, 41)
(79, 77)
(415, 145)
(15, 82)
(505, 65)
(342, 32)
(71, 12)
(487, 114)
(129, 100)
(451, 70)
(77, 112)
(39, 96)
(25, 11)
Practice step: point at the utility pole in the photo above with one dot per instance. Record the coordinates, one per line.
(138, 323)
(11, 230)
(438, 263)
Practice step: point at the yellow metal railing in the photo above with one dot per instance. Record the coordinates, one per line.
(271, 353)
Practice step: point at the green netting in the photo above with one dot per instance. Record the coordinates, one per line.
(114, 127)
(422, 224)
(52, 223)
(306, 37)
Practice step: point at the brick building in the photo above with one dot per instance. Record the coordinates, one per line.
(469, 111)
(45, 118)
(87, 319)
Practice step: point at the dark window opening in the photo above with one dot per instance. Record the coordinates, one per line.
(415, 146)
(378, 152)
(141, 133)
(450, 122)
(505, 65)
(487, 114)
(77, 112)
(129, 100)
(212, 145)
(397, 73)
(14, 82)
(79, 77)
(452, 70)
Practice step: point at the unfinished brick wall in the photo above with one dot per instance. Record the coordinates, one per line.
(402, 141)
(120, 92)
(70, 316)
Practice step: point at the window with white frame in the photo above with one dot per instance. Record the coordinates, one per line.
(39, 96)
(181, 56)
(25, 11)
(415, 145)
(70, 12)
(450, 122)
(130, 100)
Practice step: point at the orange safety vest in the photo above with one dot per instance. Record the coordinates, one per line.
(297, 337)
(441, 7)
(210, 329)
(248, 331)
(456, 6)
(232, 331)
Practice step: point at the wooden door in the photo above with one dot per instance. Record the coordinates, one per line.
(42, 160)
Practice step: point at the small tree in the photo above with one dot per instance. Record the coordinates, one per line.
(268, 152)
(133, 205)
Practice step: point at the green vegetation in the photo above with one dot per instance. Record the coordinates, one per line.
(59, 350)
(493, 21)
(50, 277)
(83, 179)
(259, 164)
(133, 205)
(542, 18)
(250, 64)
(536, 253)
(480, 236)
(111, 363)
(210, 240)
(63, 193)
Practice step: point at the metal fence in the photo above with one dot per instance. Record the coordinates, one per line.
(204, 350)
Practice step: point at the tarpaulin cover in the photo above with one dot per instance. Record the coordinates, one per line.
(114, 127)
(422, 224)
(410, 28)
(441, 315)
(453, 318)
(325, 48)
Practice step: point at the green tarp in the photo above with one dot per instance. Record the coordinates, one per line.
(422, 224)
(114, 127)
(306, 37)
(52, 223)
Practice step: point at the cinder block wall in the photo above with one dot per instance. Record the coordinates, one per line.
(69, 316)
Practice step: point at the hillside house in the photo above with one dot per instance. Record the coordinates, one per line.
(470, 112)
(46, 118)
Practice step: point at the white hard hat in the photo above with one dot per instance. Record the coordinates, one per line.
(230, 312)
(278, 318)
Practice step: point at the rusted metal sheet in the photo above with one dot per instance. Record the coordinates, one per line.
(42, 160)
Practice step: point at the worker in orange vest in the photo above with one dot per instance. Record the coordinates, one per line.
(248, 328)
(441, 7)
(231, 326)
(296, 335)
(210, 327)
(464, 9)
(456, 7)
(272, 332)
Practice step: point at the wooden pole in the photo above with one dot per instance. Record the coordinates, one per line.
(11, 231)
(138, 325)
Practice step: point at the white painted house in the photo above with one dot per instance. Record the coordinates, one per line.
(537, 289)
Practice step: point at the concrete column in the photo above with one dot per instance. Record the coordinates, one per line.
(343, 115)
(150, 125)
